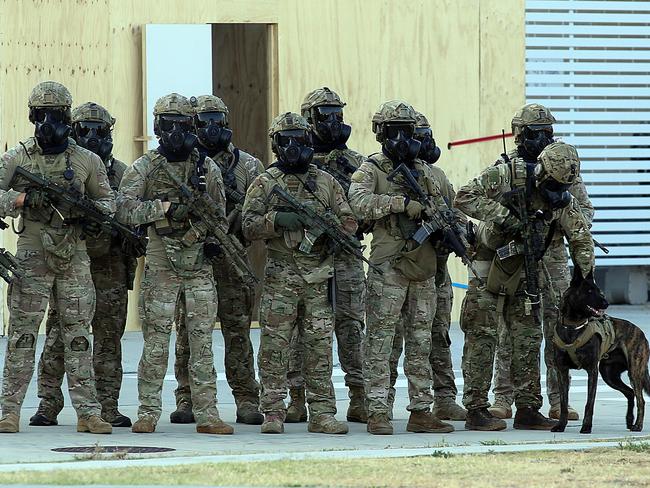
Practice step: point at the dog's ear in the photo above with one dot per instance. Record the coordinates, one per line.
(577, 278)
(590, 276)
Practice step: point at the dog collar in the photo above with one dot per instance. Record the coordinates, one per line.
(582, 325)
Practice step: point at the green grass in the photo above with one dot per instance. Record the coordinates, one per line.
(493, 442)
(635, 446)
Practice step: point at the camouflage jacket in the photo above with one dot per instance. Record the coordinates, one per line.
(144, 187)
(481, 199)
(340, 163)
(89, 178)
(376, 200)
(324, 195)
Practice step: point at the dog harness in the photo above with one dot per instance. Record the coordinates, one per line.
(604, 327)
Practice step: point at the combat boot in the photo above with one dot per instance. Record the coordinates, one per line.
(183, 414)
(326, 424)
(93, 424)
(215, 425)
(43, 417)
(448, 409)
(249, 413)
(501, 409)
(528, 418)
(296, 412)
(273, 423)
(482, 419)
(424, 421)
(115, 418)
(144, 425)
(357, 410)
(10, 423)
(554, 413)
(378, 424)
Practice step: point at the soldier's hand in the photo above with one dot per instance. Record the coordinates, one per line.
(34, 198)
(178, 212)
(288, 221)
(511, 225)
(211, 248)
(90, 228)
(413, 209)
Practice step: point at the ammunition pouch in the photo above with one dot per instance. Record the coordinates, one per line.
(420, 264)
(182, 256)
(58, 256)
(505, 275)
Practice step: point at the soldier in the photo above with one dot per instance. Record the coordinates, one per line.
(295, 291)
(323, 109)
(177, 268)
(444, 386)
(52, 256)
(404, 293)
(236, 297)
(112, 273)
(528, 122)
(506, 296)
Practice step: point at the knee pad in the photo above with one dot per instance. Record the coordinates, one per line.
(26, 341)
(79, 344)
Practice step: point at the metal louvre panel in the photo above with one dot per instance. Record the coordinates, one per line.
(589, 62)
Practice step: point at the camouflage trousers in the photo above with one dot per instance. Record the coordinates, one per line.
(110, 280)
(348, 325)
(556, 262)
(234, 312)
(444, 384)
(288, 302)
(161, 290)
(479, 318)
(395, 302)
(73, 295)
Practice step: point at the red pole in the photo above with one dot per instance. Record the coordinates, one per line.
(462, 142)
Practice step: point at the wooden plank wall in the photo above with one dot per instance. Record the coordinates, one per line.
(461, 62)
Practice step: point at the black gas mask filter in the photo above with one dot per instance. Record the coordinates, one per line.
(94, 136)
(212, 131)
(294, 149)
(534, 141)
(52, 127)
(176, 136)
(328, 125)
(429, 151)
(399, 144)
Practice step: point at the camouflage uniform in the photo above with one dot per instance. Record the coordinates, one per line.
(397, 297)
(55, 264)
(483, 309)
(112, 274)
(350, 275)
(295, 291)
(176, 269)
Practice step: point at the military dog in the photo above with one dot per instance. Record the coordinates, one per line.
(586, 338)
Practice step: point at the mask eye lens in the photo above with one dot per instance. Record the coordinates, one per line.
(202, 120)
(84, 129)
(168, 122)
(326, 112)
(55, 115)
(422, 134)
(393, 131)
(283, 138)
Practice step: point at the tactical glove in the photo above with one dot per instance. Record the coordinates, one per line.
(178, 212)
(511, 225)
(211, 248)
(90, 228)
(288, 221)
(413, 209)
(35, 198)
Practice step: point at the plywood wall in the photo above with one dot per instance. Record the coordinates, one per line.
(461, 62)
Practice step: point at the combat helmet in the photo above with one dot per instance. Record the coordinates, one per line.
(173, 104)
(531, 115)
(92, 112)
(392, 111)
(209, 103)
(288, 121)
(560, 162)
(421, 121)
(50, 94)
(320, 97)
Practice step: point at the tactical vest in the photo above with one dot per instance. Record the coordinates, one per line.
(603, 327)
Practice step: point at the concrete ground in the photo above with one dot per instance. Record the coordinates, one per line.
(34, 444)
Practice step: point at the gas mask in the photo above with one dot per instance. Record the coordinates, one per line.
(212, 132)
(399, 144)
(429, 152)
(329, 127)
(94, 136)
(556, 194)
(51, 128)
(294, 150)
(534, 142)
(175, 133)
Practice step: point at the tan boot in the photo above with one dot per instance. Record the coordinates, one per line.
(326, 424)
(357, 411)
(273, 423)
(144, 425)
(10, 423)
(554, 413)
(425, 421)
(448, 409)
(378, 424)
(501, 410)
(94, 424)
(297, 411)
(215, 426)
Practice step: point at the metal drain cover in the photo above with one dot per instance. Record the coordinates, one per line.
(113, 449)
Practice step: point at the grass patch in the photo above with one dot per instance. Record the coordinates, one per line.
(599, 467)
(634, 446)
(493, 442)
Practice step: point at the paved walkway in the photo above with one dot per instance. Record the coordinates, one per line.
(33, 445)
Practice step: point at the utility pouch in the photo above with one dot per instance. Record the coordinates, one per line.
(58, 256)
(420, 264)
(163, 227)
(181, 257)
(504, 276)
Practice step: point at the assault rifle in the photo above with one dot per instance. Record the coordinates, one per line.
(321, 224)
(438, 219)
(133, 241)
(8, 266)
(206, 210)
